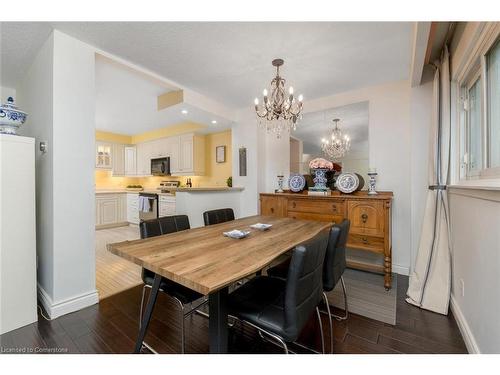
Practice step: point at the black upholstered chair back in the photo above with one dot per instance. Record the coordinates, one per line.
(335, 262)
(333, 239)
(218, 216)
(304, 284)
(157, 227)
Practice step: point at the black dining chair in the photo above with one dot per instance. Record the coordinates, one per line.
(180, 294)
(333, 269)
(280, 308)
(218, 216)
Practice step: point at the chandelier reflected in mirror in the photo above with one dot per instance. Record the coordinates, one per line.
(281, 111)
(338, 144)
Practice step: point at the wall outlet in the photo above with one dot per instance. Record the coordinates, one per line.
(462, 287)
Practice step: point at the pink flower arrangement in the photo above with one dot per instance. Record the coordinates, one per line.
(320, 163)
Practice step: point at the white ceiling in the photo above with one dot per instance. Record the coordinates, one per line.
(126, 102)
(317, 125)
(231, 62)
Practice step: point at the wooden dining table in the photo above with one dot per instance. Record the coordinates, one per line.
(206, 261)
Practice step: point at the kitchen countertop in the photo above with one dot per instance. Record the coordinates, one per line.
(124, 191)
(201, 189)
(180, 189)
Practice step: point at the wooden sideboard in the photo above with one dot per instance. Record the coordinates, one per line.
(369, 246)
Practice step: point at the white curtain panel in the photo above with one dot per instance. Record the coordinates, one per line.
(430, 281)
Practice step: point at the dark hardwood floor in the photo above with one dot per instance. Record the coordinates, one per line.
(111, 327)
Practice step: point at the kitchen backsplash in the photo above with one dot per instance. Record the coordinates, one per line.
(105, 180)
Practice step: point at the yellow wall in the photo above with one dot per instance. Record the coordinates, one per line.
(216, 174)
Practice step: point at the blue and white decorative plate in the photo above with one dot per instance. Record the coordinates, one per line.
(347, 182)
(296, 182)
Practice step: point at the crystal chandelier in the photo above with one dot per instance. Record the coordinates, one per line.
(338, 144)
(279, 112)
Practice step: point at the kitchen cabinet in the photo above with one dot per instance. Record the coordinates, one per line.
(144, 151)
(118, 159)
(166, 205)
(124, 160)
(111, 210)
(133, 208)
(130, 153)
(160, 148)
(104, 155)
(188, 152)
(175, 154)
(18, 256)
(369, 246)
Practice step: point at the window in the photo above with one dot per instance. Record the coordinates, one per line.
(474, 159)
(493, 73)
(480, 120)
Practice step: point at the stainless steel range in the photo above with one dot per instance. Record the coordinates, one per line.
(148, 206)
(168, 186)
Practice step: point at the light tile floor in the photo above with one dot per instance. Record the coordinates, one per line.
(115, 274)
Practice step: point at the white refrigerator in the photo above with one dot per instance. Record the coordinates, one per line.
(18, 286)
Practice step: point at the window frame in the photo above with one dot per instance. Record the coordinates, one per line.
(476, 68)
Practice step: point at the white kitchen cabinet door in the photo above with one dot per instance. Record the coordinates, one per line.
(144, 159)
(160, 148)
(187, 147)
(118, 160)
(130, 161)
(175, 154)
(108, 209)
(104, 155)
(111, 209)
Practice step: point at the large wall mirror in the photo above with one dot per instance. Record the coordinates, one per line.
(306, 141)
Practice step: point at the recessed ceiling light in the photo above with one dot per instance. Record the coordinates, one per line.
(184, 111)
(214, 122)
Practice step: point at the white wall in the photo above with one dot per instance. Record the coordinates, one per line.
(245, 134)
(74, 145)
(5, 92)
(277, 160)
(475, 219)
(58, 94)
(475, 235)
(35, 96)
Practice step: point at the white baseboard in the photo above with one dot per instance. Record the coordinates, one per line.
(470, 341)
(55, 310)
(401, 270)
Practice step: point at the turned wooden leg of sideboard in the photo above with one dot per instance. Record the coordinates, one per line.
(387, 272)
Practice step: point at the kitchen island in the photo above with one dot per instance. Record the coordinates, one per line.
(194, 201)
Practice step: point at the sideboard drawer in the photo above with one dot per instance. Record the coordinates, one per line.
(366, 242)
(335, 219)
(318, 206)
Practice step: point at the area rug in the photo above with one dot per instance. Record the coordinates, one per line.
(366, 296)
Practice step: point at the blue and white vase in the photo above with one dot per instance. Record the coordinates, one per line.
(320, 179)
(11, 118)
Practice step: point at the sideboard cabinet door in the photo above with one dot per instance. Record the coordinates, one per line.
(367, 217)
(272, 206)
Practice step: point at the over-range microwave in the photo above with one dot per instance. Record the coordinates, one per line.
(160, 166)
